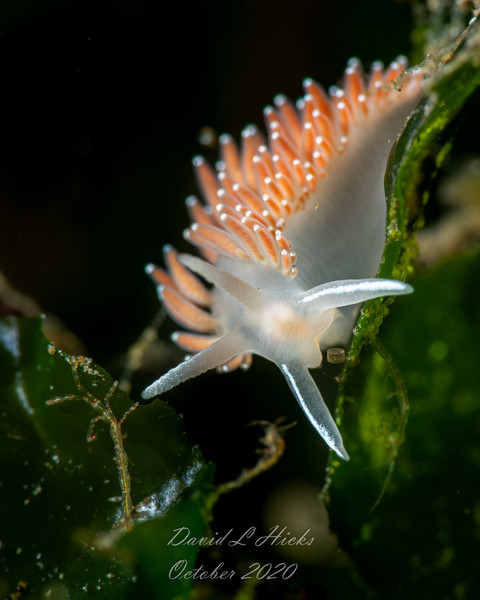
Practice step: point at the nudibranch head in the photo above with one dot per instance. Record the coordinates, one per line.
(291, 234)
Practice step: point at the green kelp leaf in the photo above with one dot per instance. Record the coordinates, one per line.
(161, 554)
(422, 539)
(409, 534)
(61, 495)
(455, 82)
(424, 136)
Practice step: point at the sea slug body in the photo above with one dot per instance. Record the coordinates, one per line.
(291, 234)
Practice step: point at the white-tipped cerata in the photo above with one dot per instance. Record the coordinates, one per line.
(291, 233)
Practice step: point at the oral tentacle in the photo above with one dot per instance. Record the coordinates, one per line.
(313, 405)
(352, 291)
(231, 344)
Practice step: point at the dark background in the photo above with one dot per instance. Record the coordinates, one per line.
(102, 106)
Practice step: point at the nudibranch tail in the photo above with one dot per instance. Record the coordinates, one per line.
(310, 399)
(292, 231)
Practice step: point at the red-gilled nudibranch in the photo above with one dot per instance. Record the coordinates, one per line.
(291, 234)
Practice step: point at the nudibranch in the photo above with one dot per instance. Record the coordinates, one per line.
(291, 236)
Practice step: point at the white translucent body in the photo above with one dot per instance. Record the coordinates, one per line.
(339, 238)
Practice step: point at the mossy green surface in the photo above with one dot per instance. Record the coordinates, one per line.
(67, 537)
(422, 536)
